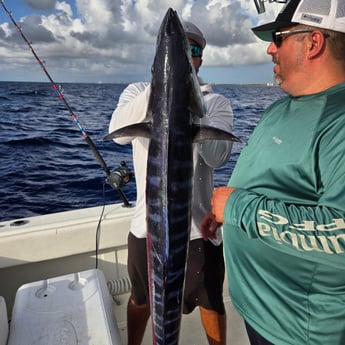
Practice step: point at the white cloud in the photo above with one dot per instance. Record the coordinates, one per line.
(64, 7)
(109, 39)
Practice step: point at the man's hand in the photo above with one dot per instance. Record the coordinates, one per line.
(218, 202)
(209, 226)
(213, 220)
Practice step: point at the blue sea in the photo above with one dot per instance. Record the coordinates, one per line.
(47, 165)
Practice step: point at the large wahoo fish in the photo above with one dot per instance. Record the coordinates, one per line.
(175, 99)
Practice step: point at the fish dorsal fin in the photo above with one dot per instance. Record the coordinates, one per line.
(203, 132)
(137, 130)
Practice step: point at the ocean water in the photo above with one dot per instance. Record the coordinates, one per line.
(47, 165)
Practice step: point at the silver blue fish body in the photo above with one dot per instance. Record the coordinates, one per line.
(169, 178)
(176, 101)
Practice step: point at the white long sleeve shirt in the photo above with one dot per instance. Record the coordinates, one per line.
(210, 154)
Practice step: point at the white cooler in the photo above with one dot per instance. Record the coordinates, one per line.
(3, 322)
(67, 310)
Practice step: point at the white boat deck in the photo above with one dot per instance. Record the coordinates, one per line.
(57, 244)
(192, 332)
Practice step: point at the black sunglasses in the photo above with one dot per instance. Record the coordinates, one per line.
(277, 37)
(195, 50)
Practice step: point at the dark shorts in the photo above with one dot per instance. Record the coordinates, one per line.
(255, 338)
(204, 276)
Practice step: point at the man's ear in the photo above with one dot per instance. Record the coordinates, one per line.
(317, 44)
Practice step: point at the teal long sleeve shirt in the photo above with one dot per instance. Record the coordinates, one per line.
(284, 229)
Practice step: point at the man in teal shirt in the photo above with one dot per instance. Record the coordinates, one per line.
(283, 211)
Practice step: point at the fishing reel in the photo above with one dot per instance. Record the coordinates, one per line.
(120, 176)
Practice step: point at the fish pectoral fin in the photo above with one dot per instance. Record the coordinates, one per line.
(204, 132)
(197, 104)
(137, 130)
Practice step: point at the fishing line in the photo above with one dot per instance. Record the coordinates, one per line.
(98, 231)
(112, 178)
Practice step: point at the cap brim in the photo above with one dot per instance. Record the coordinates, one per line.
(199, 40)
(264, 32)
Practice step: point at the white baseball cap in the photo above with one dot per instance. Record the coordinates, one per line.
(324, 14)
(193, 32)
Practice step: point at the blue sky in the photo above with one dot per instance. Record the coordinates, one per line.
(113, 40)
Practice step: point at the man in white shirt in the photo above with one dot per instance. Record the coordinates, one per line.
(205, 265)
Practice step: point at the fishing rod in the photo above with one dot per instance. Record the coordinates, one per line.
(119, 176)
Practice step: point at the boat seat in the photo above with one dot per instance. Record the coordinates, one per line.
(71, 309)
(3, 322)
